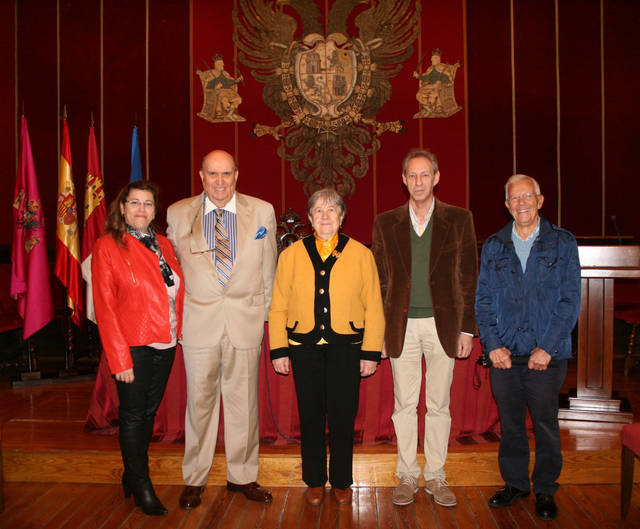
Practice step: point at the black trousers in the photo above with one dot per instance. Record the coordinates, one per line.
(327, 379)
(515, 390)
(138, 404)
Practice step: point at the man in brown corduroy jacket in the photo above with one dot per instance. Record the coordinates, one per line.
(426, 255)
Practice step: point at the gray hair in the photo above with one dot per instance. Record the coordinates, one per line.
(330, 196)
(420, 153)
(514, 179)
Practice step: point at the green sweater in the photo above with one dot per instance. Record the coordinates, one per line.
(420, 304)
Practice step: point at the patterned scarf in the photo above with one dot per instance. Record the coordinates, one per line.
(151, 242)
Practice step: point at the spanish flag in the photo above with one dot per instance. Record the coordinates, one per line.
(67, 238)
(95, 215)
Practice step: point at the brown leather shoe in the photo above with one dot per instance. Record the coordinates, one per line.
(252, 491)
(315, 495)
(342, 496)
(191, 497)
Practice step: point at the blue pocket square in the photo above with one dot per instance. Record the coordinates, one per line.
(261, 233)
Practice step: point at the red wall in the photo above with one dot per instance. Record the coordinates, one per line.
(570, 92)
(7, 118)
(574, 105)
(128, 76)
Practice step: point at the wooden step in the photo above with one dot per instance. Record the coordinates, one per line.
(60, 451)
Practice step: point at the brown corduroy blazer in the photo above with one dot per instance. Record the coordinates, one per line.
(453, 273)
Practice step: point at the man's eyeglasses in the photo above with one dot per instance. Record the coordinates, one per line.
(525, 196)
(135, 203)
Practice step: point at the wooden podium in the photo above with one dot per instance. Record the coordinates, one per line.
(594, 400)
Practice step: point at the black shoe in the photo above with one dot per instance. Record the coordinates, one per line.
(546, 507)
(507, 496)
(147, 500)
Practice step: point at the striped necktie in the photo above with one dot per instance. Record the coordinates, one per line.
(224, 261)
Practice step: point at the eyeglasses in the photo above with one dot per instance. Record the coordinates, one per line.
(135, 203)
(525, 196)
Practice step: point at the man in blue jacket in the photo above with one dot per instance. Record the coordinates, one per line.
(527, 303)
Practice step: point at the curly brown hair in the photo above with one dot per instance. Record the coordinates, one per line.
(115, 225)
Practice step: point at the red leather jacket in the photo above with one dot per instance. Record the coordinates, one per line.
(130, 297)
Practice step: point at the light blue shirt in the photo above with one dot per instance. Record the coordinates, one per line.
(523, 246)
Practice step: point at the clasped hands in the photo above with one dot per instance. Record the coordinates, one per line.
(501, 359)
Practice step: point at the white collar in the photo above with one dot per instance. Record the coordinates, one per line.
(229, 206)
(414, 218)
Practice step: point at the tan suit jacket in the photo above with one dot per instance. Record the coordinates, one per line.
(453, 273)
(222, 333)
(242, 306)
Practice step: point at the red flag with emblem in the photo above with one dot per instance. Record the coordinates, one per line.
(30, 284)
(67, 238)
(95, 215)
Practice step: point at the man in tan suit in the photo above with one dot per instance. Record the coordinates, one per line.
(227, 249)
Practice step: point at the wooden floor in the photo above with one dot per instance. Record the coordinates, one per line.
(59, 476)
(75, 506)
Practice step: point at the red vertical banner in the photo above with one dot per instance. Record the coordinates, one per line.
(67, 237)
(29, 267)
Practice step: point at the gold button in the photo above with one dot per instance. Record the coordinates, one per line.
(322, 272)
(322, 327)
(325, 310)
(321, 291)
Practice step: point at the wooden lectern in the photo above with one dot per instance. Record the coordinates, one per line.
(601, 265)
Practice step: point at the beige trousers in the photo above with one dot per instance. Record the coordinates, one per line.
(233, 373)
(421, 340)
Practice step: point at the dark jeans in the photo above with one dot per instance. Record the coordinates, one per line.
(327, 379)
(515, 390)
(138, 404)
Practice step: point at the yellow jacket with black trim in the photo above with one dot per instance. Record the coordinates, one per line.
(338, 300)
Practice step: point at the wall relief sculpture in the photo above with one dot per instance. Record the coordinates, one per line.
(326, 87)
(435, 92)
(221, 97)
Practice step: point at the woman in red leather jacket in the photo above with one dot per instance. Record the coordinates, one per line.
(138, 292)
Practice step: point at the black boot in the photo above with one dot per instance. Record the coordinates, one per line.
(147, 500)
(125, 486)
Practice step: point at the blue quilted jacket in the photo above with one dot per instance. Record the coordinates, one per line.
(537, 308)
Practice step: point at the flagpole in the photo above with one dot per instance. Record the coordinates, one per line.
(68, 329)
(68, 249)
(69, 357)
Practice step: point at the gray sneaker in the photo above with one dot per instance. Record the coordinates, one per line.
(442, 494)
(403, 493)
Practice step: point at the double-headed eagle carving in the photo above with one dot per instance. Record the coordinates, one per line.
(325, 85)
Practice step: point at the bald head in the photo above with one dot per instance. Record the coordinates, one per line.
(217, 154)
(219, 176)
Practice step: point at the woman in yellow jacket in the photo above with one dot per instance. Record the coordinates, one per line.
(326, 324)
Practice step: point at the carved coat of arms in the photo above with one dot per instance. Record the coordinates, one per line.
(326, 87)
